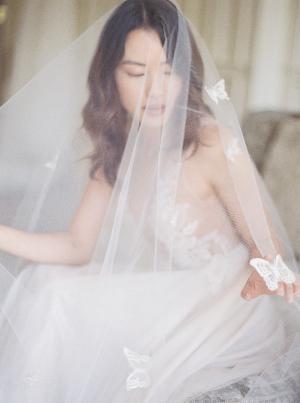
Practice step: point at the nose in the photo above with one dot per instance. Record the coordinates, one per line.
(154, 86)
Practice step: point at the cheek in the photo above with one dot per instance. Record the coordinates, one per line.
(177, 85)
(129, 91)
(173, 88)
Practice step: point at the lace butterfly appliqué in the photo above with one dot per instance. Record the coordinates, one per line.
(218, 92)
(273, 272)
(139, 377)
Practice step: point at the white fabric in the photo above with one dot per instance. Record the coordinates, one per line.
(226, 334)
(154, 314)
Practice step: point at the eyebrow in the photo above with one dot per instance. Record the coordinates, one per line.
(131, 62)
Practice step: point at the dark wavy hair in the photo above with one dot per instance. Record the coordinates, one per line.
(104, 118)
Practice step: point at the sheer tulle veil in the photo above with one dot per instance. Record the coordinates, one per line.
(155, 313)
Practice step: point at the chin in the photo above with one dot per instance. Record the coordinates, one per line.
(152, 122)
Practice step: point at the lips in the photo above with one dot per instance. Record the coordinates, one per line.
(155, 109)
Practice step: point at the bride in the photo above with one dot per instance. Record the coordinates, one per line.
(164, 287)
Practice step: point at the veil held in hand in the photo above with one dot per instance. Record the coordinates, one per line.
(153, 313)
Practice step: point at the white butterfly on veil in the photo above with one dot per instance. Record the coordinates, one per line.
(273, 272)
(52, 163)
(139, 377)
(31, 379)
(217, 92)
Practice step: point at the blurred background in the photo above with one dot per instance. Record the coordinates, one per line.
(255, 44)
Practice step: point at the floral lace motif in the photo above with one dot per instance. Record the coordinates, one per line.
(283, 391)
(233, 393)
(188, 249)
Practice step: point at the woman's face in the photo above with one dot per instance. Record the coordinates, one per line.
(144, 79)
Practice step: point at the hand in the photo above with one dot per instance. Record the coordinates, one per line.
(256, 286)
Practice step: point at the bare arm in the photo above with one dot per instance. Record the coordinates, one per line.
(71, 247)
(220, 179)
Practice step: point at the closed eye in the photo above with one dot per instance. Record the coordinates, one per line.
(135, 75)
(167, 73)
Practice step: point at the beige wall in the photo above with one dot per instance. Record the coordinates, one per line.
(254, 43)
(261, 64)
(256, 47)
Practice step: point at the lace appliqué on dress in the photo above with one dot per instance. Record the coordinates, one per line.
(233, 393)
(189, 250)
(278, 383)
(139, 377)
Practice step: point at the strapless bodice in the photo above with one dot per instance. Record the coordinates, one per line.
(196, 230)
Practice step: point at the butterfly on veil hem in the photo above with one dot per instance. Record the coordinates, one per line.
(139, 377)
(273, 272)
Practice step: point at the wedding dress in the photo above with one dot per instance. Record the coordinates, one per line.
(239, 340)
(156, 315)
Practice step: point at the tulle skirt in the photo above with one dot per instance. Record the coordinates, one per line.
(184, 336)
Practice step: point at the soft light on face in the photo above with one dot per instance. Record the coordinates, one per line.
(144, 78)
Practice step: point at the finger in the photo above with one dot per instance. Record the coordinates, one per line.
(246, 293)
(297, 288)
(265, 290)
(294, 289)
(281, 289)
(268, 257)
(289, 293)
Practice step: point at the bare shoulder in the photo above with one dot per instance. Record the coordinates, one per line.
(209, 159)
(214, 135)
(212, 140)
(99, 182)
(97, 189)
